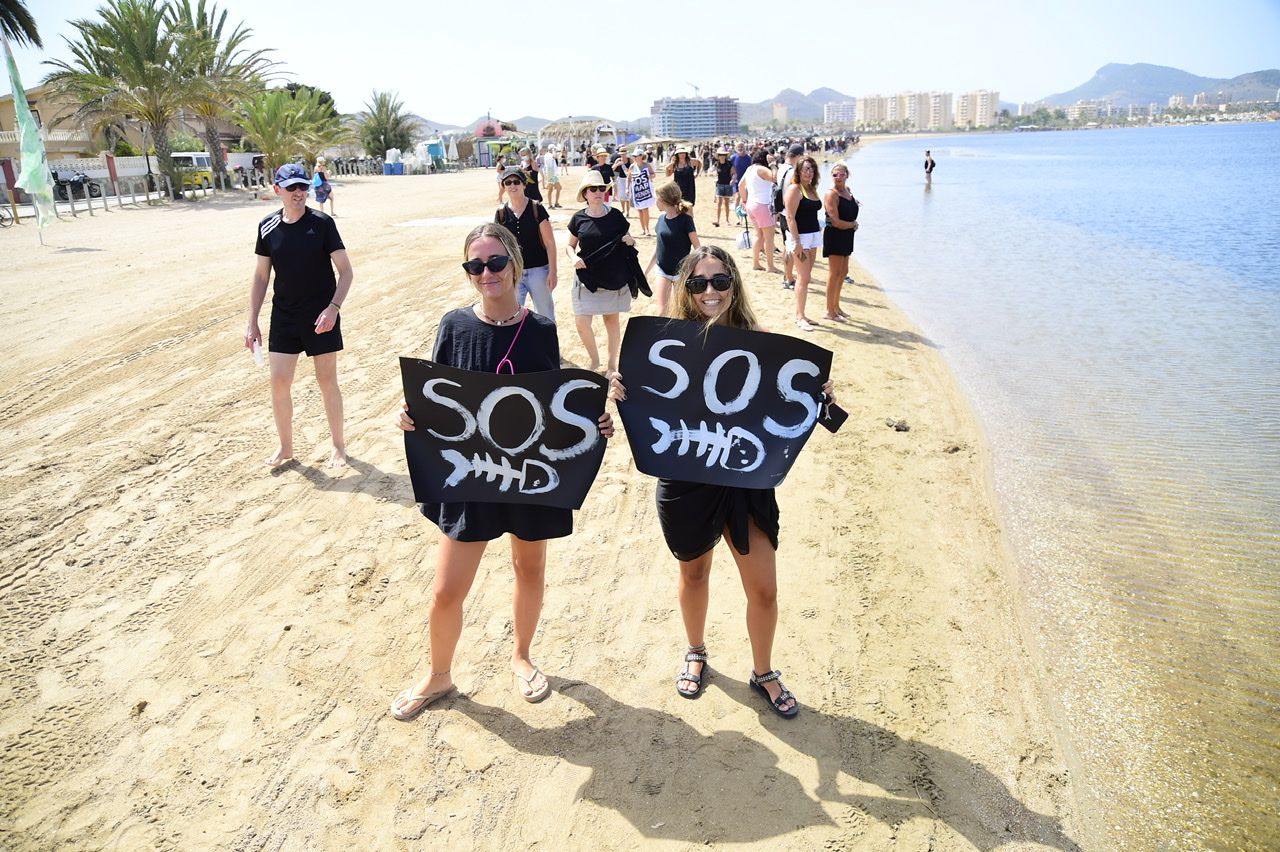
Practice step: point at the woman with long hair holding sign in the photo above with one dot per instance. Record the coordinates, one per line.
(493, 335)
(696, 516)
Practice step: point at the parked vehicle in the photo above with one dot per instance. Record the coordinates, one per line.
(68, 181)
(196, 168)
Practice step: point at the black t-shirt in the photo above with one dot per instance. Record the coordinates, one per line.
(299, 254)
(724, 172)
(674, 244)
(464, 341)
(594, 234)
(528, 231)
(606, 171)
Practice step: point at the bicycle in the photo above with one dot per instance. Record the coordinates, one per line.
(6, 218)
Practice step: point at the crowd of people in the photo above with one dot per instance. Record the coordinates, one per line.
(514, 260)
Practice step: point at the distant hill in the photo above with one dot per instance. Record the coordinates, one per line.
(799, 106)
(1142, 84)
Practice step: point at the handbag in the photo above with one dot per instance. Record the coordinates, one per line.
(744, 239)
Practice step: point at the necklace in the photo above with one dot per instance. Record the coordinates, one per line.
(493, 321)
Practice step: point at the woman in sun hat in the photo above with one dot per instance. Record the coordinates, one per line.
(724, 185)
(591, 231)
(683, 169)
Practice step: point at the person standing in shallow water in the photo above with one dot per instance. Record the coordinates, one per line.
(476, 338)
(302, 247)
(928, 167)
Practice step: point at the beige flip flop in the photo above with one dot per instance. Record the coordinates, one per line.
(423, 700)
(534, 696)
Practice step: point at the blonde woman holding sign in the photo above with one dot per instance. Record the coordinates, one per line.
(696, 516)
(493, 335)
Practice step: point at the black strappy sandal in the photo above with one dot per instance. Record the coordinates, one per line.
(695, 654)
(758, 682)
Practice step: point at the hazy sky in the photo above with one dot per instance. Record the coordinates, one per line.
(451, 66)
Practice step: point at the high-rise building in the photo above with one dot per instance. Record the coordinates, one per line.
(873, 110)
(934, 111)
(840, 112)
(977, 109)
(694, 118)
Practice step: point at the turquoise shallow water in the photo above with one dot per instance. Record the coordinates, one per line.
(1110, 302)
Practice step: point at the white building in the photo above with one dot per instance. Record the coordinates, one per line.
(694, 118)
(840, 112)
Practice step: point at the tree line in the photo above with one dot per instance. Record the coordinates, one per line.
(147, 62)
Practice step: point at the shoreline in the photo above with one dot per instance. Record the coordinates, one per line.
(242, 630)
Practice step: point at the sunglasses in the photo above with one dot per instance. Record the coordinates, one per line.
(296, 187)
(497, 263)
(513, 181)
(699, 284)
(597, 188)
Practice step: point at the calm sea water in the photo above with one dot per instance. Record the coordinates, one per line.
(1110, 302)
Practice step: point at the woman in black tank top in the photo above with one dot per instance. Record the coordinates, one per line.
(802, 205)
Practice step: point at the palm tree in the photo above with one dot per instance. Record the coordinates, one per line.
(285, 125)
(231, 70)
(385, 124)
(129, 64)
(16, 23)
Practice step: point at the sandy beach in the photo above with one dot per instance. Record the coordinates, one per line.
(199, 651)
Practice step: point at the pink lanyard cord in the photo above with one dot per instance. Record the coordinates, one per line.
(506, 359)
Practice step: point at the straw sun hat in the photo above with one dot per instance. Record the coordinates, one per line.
(593, 178)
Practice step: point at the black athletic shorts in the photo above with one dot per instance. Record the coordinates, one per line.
(292, 334)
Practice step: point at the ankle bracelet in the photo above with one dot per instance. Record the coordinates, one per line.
(440, 674)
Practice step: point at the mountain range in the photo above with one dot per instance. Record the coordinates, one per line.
(1142, 84)
(1138, 83)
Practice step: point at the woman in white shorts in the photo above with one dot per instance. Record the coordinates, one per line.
(804, 237)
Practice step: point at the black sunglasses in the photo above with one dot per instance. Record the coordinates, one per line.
(699, 284)
(296, 187)
(597, 188)
(513, 181)
(497, 263)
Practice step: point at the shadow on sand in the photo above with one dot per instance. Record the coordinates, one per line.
(671, 782)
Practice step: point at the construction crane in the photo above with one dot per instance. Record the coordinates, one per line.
(696, 90)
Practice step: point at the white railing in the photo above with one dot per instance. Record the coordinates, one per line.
(48, 135)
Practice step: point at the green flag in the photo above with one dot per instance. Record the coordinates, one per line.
(33, 170)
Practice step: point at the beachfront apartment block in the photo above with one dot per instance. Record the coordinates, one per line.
(907, 111)
(977, 109)
(694, 118)
(840, 112)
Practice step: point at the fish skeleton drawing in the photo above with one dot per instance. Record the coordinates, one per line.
(533, 477)
(736, 449)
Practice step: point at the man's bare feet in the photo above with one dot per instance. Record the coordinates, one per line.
(278, 458)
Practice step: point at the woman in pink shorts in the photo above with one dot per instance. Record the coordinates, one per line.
(755, 193)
